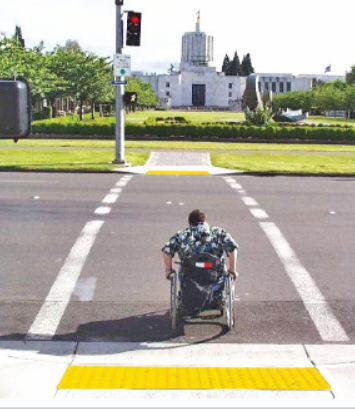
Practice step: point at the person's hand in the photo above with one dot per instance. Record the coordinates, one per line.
(168, 274)
(233, 274)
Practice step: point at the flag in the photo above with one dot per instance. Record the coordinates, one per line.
(328, 69)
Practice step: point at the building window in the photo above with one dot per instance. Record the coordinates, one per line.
(266, 86)
(168, 85)
(167, 93)
(230, 95)
(274, 87)
(281, 87)
(230, 85)
(259, 86)
(289, 88)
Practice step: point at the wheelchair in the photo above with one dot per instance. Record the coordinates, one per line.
(225, 300)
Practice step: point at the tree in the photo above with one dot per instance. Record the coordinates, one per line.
(146, 95)
(295, 100)
(337, 84)
(234, 66)
(30, 64)
(349, 100)
(86, 76)
(317, 83)
(18, 36)
(329, 98)
(350, 76)
(72, 45)
(100, 88)
(226, 63)
(246, 68)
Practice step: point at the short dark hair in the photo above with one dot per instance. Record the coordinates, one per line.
(196, 217)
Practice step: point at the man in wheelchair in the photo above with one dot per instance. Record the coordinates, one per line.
(203, 268)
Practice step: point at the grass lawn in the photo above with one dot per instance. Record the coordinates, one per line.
(18, 159)
(208, 146)
(195, 117)
(332, 121)
(141, 116)
(76, 160)
(271, 162)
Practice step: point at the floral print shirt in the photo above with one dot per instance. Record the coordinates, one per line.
(200, 239)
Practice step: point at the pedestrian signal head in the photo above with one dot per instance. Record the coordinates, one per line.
(15, 109)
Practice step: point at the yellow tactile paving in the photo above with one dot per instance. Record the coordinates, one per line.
(106, 377)
(178, 172)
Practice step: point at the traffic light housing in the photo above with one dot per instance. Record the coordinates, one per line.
(15, 109)
(134, 21)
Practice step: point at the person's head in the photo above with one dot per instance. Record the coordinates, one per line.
(196, 217)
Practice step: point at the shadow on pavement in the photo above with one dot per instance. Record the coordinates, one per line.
(136, 332)
(150, 327)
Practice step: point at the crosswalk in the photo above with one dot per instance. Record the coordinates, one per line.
(285, 324)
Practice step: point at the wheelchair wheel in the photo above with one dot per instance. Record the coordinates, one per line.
(173, 302)
(229, 302)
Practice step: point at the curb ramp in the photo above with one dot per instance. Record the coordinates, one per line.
(178, 170)
(50, 369)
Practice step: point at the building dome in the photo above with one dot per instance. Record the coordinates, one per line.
(197, 48)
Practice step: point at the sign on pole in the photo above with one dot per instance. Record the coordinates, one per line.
(122, 65)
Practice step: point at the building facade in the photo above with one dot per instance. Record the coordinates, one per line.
(197, 84)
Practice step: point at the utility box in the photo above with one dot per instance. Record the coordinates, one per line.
(15, 109)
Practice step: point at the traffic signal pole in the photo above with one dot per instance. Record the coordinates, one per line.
(120, 116)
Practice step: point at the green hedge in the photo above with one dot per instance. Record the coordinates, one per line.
(45, 114)
(197, 131)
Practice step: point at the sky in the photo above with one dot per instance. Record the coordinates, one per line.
(298, 37)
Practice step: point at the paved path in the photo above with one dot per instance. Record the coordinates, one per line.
(177, 163)
(179, 159)
(35, 370)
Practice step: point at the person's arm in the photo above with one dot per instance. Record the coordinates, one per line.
(169, 251)
(232, 270)
(168, 261)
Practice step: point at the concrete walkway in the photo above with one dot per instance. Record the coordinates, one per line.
(178, 163)
(34, 369)
(188, 158)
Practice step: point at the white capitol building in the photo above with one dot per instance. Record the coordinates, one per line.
(197, 84)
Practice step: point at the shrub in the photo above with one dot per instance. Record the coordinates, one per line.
(151, 121)
(45, 114)
(196, 131)
(260, 117)
(167, 120)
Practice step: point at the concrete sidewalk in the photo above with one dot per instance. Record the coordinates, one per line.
(34, 369)
(188, 158)
(178, 163)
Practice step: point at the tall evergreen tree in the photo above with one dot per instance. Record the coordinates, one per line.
(246, 67)
(18, 36)
(234, 65)
(72, 46)
(250, 67)
(226, 63)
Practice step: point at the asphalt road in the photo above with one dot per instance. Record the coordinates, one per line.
(121, 293)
